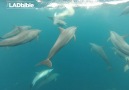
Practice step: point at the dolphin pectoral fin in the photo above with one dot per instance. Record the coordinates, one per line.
(126, 67)
(46, 63)
(74, 37)
(125, 36)
(61, 29)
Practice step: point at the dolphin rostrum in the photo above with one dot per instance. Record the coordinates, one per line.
(23, 37)
(65, 36)
(99, 50)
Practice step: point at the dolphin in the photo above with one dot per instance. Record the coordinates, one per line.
(65, 36)
(68, 12)
(50, 78)
(21, 38)
(125, 11)
(24, 27)
(57, 21)
(99, 50)
(119, 42)
(125, 57)
(15, 31)
(42, 74)
(120, 54)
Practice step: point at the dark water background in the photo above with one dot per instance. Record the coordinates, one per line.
(79, 68)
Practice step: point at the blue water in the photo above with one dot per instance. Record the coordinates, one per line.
(79, 68)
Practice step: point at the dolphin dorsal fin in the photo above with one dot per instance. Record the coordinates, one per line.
(61, 29)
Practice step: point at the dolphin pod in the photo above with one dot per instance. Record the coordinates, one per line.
(23, 34)
(99, 50)
(121, 47)
(65, 36)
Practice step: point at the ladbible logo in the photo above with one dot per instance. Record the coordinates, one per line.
(20, 5)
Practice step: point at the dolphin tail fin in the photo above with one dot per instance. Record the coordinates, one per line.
(46, 62)
(126, 67)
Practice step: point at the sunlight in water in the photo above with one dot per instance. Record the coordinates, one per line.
(84, 3)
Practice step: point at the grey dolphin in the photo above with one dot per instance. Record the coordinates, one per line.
(21, 38)
(120, 54)
(123, 56)
(50, 78)
(40, 75)
(15, 31)
(65, 36)
(99, 50)
(24, 27)
(58, 21)
(125, 11)
(119, 42)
